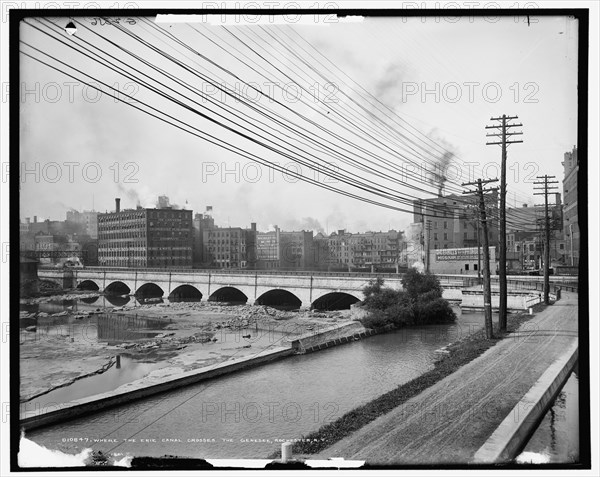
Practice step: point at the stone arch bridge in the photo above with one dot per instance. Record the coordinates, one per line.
(304, 289)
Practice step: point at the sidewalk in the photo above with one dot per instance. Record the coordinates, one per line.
(450, 421)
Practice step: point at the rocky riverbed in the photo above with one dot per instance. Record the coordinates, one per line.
(57, 349)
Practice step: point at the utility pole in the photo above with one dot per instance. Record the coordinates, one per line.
(546, 187)
(487, 290)
(428, 229)
(504, 135)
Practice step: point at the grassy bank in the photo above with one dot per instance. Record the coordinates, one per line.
(461, 353)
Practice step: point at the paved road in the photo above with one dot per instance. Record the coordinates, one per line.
(450, 421)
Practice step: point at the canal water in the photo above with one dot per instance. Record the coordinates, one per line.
(556, 439)
(247, 414)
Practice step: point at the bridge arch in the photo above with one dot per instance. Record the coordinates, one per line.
(334, 301)
(185, 293)
(89, 285)
(229, 295)
(117, 288)
(149, 290)
(279, 298)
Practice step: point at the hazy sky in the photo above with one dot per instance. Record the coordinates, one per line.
(473, 70)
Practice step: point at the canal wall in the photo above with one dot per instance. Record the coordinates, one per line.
(334, 336)
(30, 419)
(515, 430)
(516, 300)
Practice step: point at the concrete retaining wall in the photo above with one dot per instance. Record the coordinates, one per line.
(114, 398)
(516, 300)
(333, 337)
(513, 433)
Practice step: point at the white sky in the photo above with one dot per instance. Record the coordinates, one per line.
(533, 67)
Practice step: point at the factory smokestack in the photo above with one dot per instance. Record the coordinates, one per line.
(117, 205)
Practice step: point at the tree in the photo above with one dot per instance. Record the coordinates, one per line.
(419, 303)
(416, 283)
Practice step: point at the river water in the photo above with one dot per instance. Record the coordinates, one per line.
(556, 439)
(247, 414)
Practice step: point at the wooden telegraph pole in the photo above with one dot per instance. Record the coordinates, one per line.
(504, 134)
(428, 229)
(546, 187)
(487, 290)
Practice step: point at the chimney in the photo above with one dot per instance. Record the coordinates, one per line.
(28, 220)
(524, 205)
(35, 219)
(117, 205)
(253, 226)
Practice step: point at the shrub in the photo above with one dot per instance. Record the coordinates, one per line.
(375, 319)
(383, 299)
(401, 315)
(416, 283)
(420, 302)
(436, 311)
(373, 288)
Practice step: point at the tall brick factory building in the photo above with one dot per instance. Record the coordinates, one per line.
(145, 238)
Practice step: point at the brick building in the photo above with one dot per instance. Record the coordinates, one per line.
(452, 221)
(278, 249)
(570, 214)
(145, 238)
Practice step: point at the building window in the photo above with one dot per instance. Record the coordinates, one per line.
(475, 266)
(562, 246)
(435, 236)
(445, 236)
(466, 267)
(445, 224)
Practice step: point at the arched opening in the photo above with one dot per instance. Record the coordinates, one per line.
(149, 293)
(334, 301)
(88, 285)
(185, 293)
(149, 290)
(117, 288)
(281, 299)
(228, 295)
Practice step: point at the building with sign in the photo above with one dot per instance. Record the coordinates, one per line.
(452, 221)
(466, 261)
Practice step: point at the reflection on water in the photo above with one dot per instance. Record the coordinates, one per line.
(119, 328)
(117, 300)
(556, 439)
(125, 371)
(90, 300)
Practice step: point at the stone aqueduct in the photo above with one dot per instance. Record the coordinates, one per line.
(318, 290)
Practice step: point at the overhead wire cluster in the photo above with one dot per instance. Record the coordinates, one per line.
(367, 150)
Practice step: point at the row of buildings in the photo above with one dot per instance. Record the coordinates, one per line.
(448, 232)
(445, 236)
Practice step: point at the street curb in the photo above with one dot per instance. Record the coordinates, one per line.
(513, 432)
